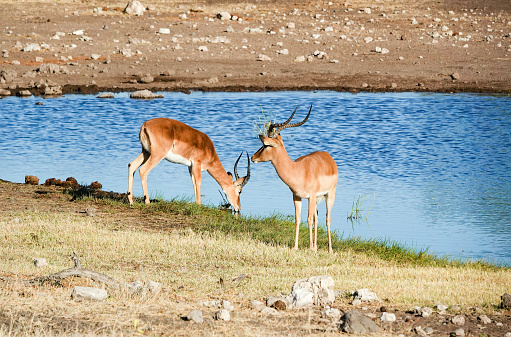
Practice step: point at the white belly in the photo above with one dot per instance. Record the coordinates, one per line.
(175, 158)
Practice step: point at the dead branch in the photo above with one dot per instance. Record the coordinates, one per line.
(76, 271)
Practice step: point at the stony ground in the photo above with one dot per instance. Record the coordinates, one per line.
(35, 307)
(401, 45)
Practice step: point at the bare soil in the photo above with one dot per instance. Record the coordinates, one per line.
(402, 45)
(64, 317)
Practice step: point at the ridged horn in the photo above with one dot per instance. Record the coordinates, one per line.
(281, 126)
(247, 177)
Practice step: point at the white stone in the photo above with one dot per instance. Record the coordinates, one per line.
(388, 317)
(134, 8)
(224, 16)
(263, 57)
(269, 311)
(32, 47)
(300, 298)
(365, 295)
(88, 293)
(142, 94)
(257, 305)
(223, 315)
(40, 262)
(164, 31)
(300, 58)
(195, 316)
(78, 32)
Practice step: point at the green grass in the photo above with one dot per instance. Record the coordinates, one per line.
(278, 229)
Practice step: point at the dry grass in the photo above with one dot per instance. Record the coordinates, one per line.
(190, 265)
(196, 262)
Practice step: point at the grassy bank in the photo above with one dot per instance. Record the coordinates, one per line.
(214, 245)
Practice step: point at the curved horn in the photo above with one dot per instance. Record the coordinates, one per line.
(236, 166)
(272, 126)
(286, 124)
(247, 177)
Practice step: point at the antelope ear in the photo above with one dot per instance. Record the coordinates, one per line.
(229, 174)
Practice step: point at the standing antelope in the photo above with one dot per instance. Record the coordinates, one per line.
(312, 177)
(182, 144)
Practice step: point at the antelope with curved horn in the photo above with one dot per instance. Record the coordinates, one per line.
(312, 177)
(181, 144)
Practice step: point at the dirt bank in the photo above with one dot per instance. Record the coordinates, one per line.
(402, 45)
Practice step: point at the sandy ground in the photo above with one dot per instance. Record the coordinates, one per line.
(402, 45)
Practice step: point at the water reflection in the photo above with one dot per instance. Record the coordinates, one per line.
(437, 166)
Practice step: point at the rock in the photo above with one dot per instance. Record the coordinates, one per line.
(7, 75)
(506, 301)
(300, 58)
(5, 92)
(332, 313)
(88, 293)
(146, 78)
(388, 317)
(195, 316)
(95, 56)
(153, 286)
(257, 305)
(365, 295)
(322, 288)
(269, 311)
(484, 319)
(455, 76)
(134, 8)
(32, 47)
(203, 48)
(458, 320)
(165, 31)
(222, 315)
(368, 39)
(95, 185)
(441, 308)
(31, 180)
(300, 298)
(215, 304)
(419, 331)
(423, 312)
(142, 94)
(428, 330)
(52, 91)
(263, 57)
(458, 333)
(40, 262)
(106, 95)
(354, 322)
(49, 68)
(224, 16)
(227, 305)
(24, 93)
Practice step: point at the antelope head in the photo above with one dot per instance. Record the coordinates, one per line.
(233, 192)
(272, 141)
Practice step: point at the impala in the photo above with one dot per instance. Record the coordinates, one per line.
(312, 177)
(182, 144)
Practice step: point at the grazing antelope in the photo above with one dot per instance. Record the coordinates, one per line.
(182, 144)
(312, 177)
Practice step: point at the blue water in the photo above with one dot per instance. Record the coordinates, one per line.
(435, 168)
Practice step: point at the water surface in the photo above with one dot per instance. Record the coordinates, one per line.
(435, 168)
